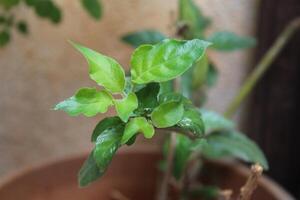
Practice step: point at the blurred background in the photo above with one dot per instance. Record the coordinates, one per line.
(40, 68)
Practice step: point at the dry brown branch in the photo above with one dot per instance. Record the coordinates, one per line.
(247, 190)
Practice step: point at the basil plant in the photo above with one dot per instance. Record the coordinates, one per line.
(146, 102)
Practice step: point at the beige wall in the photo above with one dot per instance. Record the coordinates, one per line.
(39, 70)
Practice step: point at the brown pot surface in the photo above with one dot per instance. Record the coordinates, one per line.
(133, 173)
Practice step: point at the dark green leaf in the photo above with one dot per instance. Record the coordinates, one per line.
(192, 121)
(106, 123)
(143, 37)
(212, 75)
(165, 60)
(200, 72)
(126, 106)
(204, 192)
(104, 70)
(107, 144)
(136, 125)
(46, 9)
(191, 15)
(167, 114)
(214, 121)
(147, 96)
(4, 38)
(87, 101)
(89, 171)
(22, 27)
(228, 41)
(93, 7)
(234, 144)
(2, 19)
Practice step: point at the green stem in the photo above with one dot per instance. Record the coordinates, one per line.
(262, 67)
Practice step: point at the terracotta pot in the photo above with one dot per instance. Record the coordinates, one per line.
(133, 173)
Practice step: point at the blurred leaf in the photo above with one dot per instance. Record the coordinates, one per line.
(215, 121)
(136, 125)
(87, 101)
(22, 27)
(2, 19)
(190, 14)
(104, 70)
(204, 192)
(233, 144)
(89, 171)
(147, 96)
(30, 2)
(107, 144)
(7, 4)
(46, 9)
(93, 7)
(143, 37)
(167, 114)
(166, 87)
(126, 106)
(4, 38)
(192, 121)
(199, 74)
(212, 75)
(106, 123)
(186, 83)
(228, 41)
(165, 60)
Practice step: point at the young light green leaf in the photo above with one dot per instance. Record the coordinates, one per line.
(234, 144)
(228, 41)
(165, 60)
(148, 96)
(214, 121)
(143, 37)
(87, 101)
(190, 14)
(106, 123)
(167, 114)
(104, 70)
(106, 146)
(126, 106)
(93, 7)
(200, 72)
(192, 121)
(136, 125)
(89, 171)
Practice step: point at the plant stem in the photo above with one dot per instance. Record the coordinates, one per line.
(163, 193)
(262, 67)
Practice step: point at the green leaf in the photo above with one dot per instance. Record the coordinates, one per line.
(166, 87)
(228, 41)
(214, 121)
(204, 192)
(7, 4)
(106, 123)
(147, 96)
(46, 9)
(200, 72)
(212, 75)
(192, 16)
(136, 125)
(87, 101)
(104, 70)
(234, 144)
(22, 27)
(165, 60)
(143, 37)
(167, 114)
(126, 106)
(4, 38)
(181, 155)
(192, 121)
(107, 144)
(89, 171)
(93, 7)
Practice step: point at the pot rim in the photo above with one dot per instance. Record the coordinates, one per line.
(265, 181)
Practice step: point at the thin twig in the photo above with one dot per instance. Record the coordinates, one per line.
(262, 67)
(225, 194)
(163, 193)
(247, 190)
